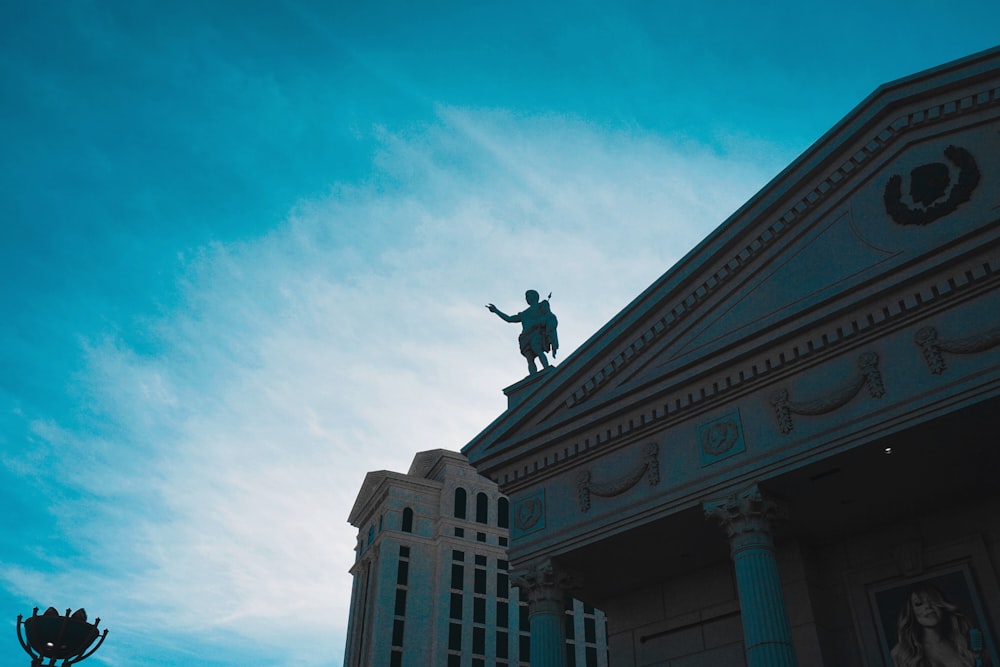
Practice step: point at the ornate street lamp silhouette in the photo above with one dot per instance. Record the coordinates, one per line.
(53, 637)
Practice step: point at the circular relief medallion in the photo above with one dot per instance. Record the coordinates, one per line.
(528, 514)
(719, 438)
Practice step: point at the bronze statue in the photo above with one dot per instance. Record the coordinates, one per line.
(538, 329)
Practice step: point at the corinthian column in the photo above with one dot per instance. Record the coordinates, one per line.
(544, 587)
(747, 518)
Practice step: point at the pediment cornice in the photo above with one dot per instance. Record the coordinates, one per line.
(782, 222)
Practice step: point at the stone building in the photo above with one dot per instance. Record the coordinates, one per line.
(432, 586)
(787, 446)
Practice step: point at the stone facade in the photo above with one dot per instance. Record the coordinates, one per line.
(759, 457)
(432, 584)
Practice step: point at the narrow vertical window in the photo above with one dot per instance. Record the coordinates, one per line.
(479, 640)
(460, 502)
(479, 583)
(482, 508)
(407, 520)
(502, 647)
(503, 513)
(454, 637)
(503, 614)
(479, 610)
(397, 632)
(400, 609)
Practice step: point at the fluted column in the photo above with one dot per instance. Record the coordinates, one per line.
(545, 589)
(747, 518)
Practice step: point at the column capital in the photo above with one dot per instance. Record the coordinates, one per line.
(544, 585)
(747, 516)
(544, 581)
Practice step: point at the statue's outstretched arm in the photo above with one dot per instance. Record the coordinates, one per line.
(502, 315)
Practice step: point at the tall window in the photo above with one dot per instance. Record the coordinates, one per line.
(460, 502)
(399, 611)
(407, 520)
(503, 513)
(482, 508)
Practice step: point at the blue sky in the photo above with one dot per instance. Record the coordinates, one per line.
(246, 248)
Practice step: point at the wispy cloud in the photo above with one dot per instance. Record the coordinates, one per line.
(223, 460)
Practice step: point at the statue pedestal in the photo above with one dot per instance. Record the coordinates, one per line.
(519, 390)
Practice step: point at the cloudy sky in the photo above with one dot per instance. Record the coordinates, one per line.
(246, 248)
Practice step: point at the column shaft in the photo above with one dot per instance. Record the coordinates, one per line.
(767, 634)
(548, 639)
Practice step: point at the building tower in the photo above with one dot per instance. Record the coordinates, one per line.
(432, 583)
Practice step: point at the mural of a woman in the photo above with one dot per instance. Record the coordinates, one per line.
(932, 632)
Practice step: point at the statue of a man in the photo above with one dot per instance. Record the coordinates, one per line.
(538, 329)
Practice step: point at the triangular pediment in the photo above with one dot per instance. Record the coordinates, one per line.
(840, 252)
(908, 181)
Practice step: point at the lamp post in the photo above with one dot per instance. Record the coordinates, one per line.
(53, 637)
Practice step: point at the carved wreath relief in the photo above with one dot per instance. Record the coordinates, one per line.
(932, 190)
(932, 346)
(650, 467)
(870, 376)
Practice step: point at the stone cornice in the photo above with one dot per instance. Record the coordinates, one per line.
(376, 488)
(782, 223)
(888, 313)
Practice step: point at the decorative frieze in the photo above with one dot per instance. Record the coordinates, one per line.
(869, 377)
(932, 345)
(890, 313)
(649, 467)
